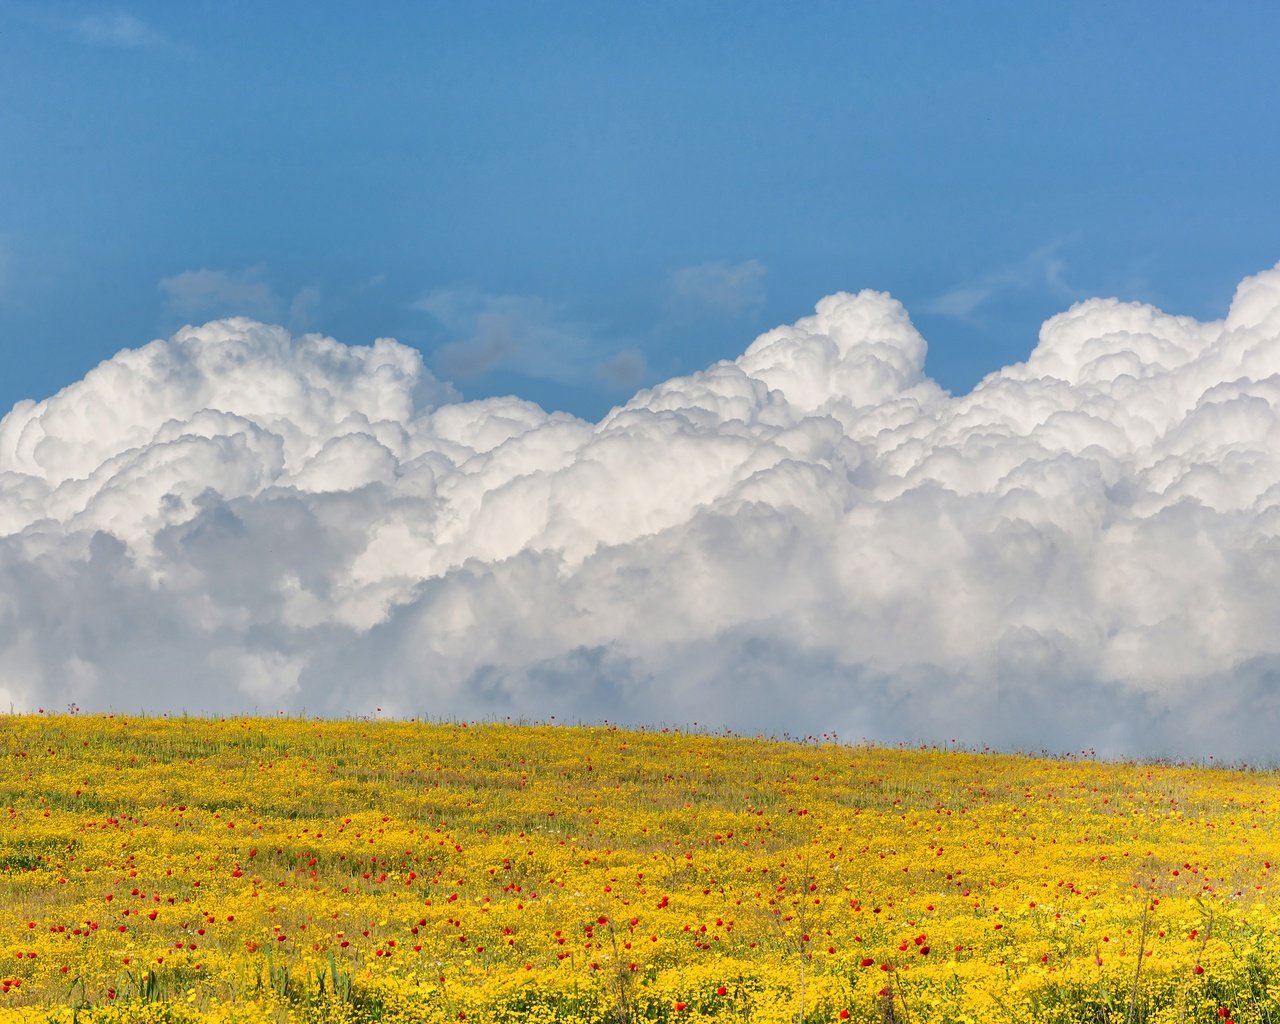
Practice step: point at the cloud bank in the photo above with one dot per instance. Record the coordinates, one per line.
(1082, 552)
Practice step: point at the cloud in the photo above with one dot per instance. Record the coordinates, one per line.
(199, 294)
(625, 370)
(205, 293)
(1042, 270)
(961, 302)
(523, 333)
(1082, 552)
(718, 287)
(118, 29)
(305, 307)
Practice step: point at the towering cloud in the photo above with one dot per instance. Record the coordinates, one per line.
(1084, 551)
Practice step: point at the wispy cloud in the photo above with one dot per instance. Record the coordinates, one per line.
(1042, 270)
(718, 286)
(524, 333)
(119, 29)
(204, 294)
(305, 308)
(625, 371)
(961, 302)
(213, 293)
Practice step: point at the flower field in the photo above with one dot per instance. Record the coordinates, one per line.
(291, 870)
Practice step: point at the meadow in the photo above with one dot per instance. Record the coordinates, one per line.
(259, 870)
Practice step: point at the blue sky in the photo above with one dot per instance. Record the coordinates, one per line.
(566, 201)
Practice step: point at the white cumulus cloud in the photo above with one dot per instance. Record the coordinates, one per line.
(1084, 551)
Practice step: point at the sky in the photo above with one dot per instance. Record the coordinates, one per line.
(639, 362)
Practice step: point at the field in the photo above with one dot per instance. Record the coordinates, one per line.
(293, 870)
